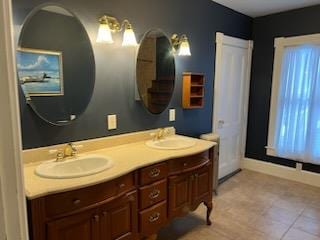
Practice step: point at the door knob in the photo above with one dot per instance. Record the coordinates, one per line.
(220, 123)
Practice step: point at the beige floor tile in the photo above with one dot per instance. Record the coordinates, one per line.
(295, 234)
(281, 215)
(309, 225)
(268, 226)
(293, 204)
(312, 212)
(254, 206)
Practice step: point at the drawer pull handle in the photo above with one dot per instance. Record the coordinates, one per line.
(96, 218)
(154, 194)
(154, 217)
(185, 164)
(76, 201)
(122, 185)
(132, 198)
(154, 172)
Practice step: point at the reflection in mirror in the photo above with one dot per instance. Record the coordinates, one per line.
(55, 65)
(155, 71)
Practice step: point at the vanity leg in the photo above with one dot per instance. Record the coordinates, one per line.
(209, 210)
(152, 237)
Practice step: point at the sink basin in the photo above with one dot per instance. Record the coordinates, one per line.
(171, 143)
(72, 168)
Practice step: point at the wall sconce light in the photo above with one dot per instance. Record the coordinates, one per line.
(108, 25)
(181, 45)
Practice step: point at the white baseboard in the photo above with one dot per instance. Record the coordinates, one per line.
(293, 174)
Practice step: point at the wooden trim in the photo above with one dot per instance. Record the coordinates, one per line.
(297, 40)
(231, 41)
(277, 65)
(12, 189)
(281, 171)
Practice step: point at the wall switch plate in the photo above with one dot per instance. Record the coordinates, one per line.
(172, 115)
(112, 122)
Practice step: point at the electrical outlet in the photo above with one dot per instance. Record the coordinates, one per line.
(172, 115)
(298, 166)
(112, 122)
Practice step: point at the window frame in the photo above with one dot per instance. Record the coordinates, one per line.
(280, 44)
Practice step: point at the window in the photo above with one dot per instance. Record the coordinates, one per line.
(294, 125)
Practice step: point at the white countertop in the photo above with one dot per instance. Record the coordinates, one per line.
(127, 158)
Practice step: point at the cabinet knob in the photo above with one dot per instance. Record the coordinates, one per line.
(185, 164)
(96, 218)
(154, 194)
(154, 217)
(131, 198)
(76, 201)
(122, 185)
(154, 172)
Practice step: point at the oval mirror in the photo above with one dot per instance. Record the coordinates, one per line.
(155, 71)
(55, 65)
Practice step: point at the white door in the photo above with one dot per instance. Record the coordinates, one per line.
(231, 90)
(13, 217)
(2, 217)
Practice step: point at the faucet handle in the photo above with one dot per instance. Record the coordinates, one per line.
(77, 147)
(58, 152)
(55, 151)
(74, 149)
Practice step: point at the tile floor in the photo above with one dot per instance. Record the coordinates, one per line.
(254, 206)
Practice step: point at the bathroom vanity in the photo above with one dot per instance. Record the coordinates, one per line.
(133, 205)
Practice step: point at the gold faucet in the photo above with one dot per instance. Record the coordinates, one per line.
(159, 134)
(69, 151)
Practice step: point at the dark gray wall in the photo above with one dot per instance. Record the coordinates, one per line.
(265, 29)
(114, 87)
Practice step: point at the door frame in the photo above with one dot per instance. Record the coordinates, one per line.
(222, 39)
(12, 196)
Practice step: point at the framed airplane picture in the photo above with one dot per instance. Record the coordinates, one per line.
(40, 72)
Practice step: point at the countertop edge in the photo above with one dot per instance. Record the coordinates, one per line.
(31, 196)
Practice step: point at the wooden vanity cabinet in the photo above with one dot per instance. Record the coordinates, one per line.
(130, 207)
(114, 220)
(119, 218)
(81, 226)
(190, 184)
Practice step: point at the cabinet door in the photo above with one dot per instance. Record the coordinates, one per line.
(81, 226)
(119, 218)
(179, 194)
(202, 185)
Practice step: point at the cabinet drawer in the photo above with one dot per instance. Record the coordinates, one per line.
(189, 163)
(152, 219)
(153, 173)
(63, 203)
(153, 193)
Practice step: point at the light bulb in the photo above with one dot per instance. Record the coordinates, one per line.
(184, 49)
(129, 38)
(104, 33)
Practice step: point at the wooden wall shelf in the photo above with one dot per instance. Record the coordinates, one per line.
(192, 90)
